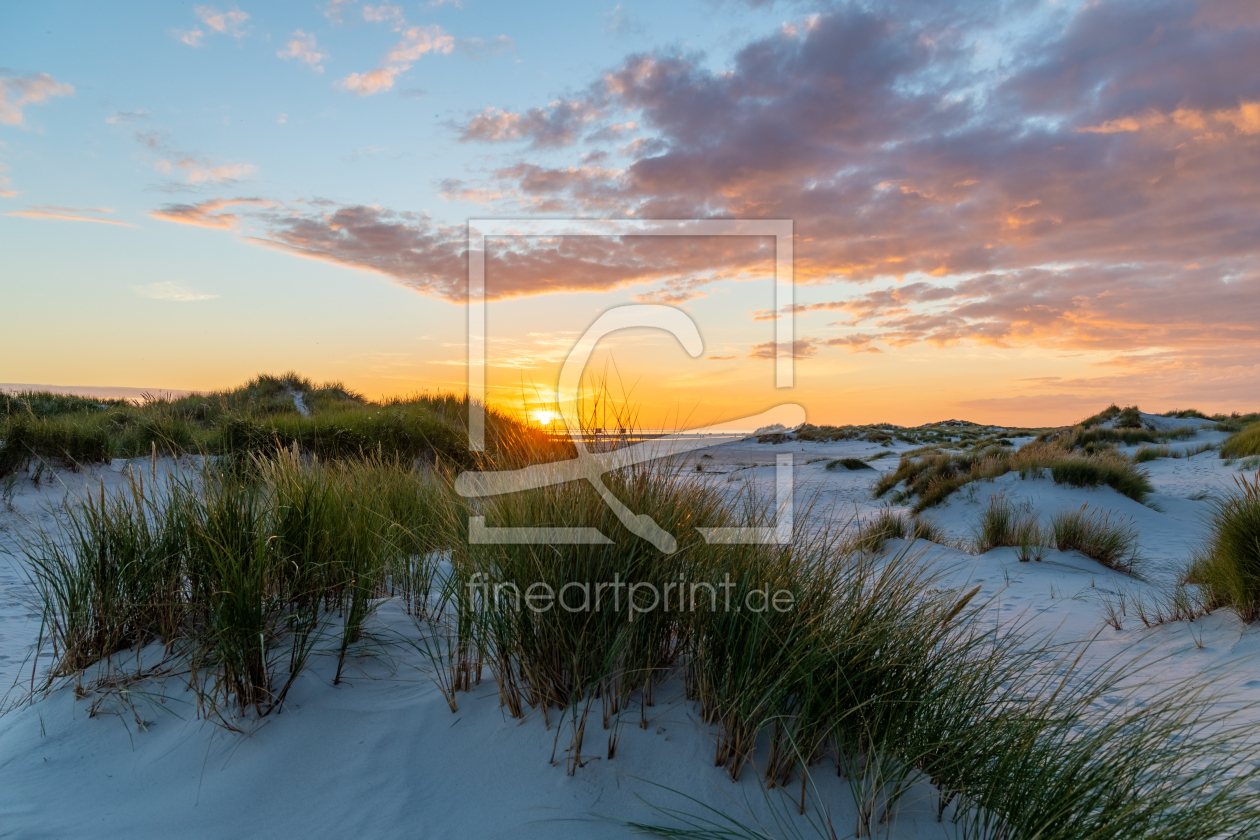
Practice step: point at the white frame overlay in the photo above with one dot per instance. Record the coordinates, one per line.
(478, 484)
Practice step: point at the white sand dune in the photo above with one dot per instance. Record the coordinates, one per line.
(381, 755)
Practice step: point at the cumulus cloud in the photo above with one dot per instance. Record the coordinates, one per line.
(16, 92)
(417, 41)
(170, 291)
(1116, 155)
(1098, 188)
(302, 47)
(556, 125)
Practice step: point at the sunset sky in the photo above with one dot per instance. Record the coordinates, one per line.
(1012, 212)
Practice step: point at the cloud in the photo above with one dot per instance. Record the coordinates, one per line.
(1100, 191)
(1076, 179)
(208, 214)
(303, 48)
(68, 214)
(332, 10)
(801, 348)
(224, 23)
(856, 343)
(169, 291)
(227, 23)
(384, 14)
(431, 258)
(556, 125)
(199, 170)
(453, 189)
(16, 92)
(417, 41)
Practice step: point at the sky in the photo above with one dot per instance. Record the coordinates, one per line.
(1010, 212)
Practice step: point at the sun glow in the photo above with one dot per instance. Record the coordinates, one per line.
(544, 417)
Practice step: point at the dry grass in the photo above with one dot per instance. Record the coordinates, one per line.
(932, 476)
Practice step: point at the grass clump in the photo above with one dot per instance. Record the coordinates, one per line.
(1244, 443)
(1098, 537)
(1228, 566)
(238, 574)
(41, 404)
(871, 534)
(848, 464)
(1116, 473)
(1003, 525)
(66, 440)
(1151, 453)
(931, 476)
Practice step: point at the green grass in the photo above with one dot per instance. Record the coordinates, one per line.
(869, 535)
(238, 572)
(1228, 566)
(258, 417)
(1151, 453)
(1004, 525)
(1098, 536)
(1242, 444)
(41, 404)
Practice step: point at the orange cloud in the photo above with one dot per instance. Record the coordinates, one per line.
(207, 214)
(417, 41)
(66, 217)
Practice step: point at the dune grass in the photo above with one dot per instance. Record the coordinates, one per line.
(831, 656)
(1244, 443)
(237, 572)
(848, 464)
(1228, 566)
(1003, 524)
(257, 417)
(1098, 536)
(932, 476)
